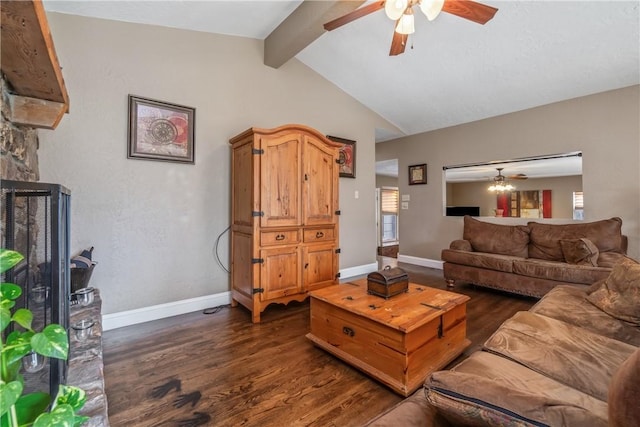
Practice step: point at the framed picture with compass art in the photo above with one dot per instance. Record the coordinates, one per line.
(161, 131)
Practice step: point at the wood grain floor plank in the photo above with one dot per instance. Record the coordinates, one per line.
(265, 374)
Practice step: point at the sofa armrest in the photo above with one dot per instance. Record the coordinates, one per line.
(461, 245)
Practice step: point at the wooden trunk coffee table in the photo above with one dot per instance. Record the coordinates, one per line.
(398, 341)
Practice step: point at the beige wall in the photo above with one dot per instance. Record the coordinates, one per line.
(476, 194)
(605, 127)
(154, 224)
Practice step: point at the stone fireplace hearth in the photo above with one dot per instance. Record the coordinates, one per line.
(86, 364)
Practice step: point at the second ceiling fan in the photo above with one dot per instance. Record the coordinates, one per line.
(401, 11)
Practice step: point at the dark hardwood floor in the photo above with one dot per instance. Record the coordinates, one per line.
(221, 370)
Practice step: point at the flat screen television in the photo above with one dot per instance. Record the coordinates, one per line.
(463, 210)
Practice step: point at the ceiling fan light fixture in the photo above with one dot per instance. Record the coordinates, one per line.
(500, 184)
(501, 187)
(431, 8)
(395, 8)
(406, 23)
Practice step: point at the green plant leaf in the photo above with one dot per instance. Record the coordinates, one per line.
(8, 259)
(60, 416)
(9, 394)
(70, 395)
(10, 291)
(5, 318)
(17, 346)
(30, 406)
(79, 420)
(23, 317)
(51, 342)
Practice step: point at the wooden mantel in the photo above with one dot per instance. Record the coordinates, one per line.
(38, 96)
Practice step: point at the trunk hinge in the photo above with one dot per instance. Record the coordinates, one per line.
(257, 151)
(338, 251)
(337, 212)
(337, 275)
(257, 213)
(258, 290)
(257, 260)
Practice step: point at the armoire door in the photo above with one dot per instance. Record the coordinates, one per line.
(320, 192)
(280, 171)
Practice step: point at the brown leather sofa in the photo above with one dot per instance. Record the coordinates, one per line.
(532, 259)
(573, 359)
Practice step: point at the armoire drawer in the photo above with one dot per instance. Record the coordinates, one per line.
(318, 234)
(279, 237)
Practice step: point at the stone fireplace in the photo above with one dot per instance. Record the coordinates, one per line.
(19, 162)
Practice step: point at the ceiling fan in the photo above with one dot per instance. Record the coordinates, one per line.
(401, 11)
(500, 182)
(501, 178)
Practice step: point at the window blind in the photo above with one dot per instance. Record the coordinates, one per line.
(389, 201)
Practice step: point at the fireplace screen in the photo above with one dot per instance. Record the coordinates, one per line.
(35, 222)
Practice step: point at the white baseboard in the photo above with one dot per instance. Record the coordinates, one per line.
(424, 262)
(359, 270)
(160, 311)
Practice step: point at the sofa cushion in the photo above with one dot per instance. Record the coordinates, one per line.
(414, 411)
(609, 259)
(569, 304)
(480, 259)
(545, 238)
(568, 354)
(488, 390)
(580, 251)
(559, 271)
(624, 393)
(619, 294)
(495, 238)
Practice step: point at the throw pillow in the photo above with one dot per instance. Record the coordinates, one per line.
(619, 294)
(495, 238)
(580, 251)
(624, 393)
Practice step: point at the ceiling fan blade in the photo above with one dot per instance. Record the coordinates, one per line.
(352, 16)
(471, 10)
(398, 43)
(518, 176)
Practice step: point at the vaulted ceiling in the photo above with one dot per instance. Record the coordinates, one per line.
(453, 71)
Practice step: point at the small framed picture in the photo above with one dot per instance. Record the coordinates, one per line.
(347, 156)
(161, 131)
(418, 174)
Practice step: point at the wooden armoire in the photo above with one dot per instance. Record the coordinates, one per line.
(284, 211)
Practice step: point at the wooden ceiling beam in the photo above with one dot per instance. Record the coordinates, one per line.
(302, 27)
(30, 65)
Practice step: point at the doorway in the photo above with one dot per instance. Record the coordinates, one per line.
(387, 208)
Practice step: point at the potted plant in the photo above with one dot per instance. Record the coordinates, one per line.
(33, 409)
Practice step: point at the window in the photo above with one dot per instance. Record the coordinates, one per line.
(389, 214)
(578, 205)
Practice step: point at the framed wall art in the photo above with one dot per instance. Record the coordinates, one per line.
(161, 131)
(347, 156)
(418, 174)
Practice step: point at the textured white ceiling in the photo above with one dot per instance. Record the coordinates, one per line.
(255, 19)
(532, 53)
